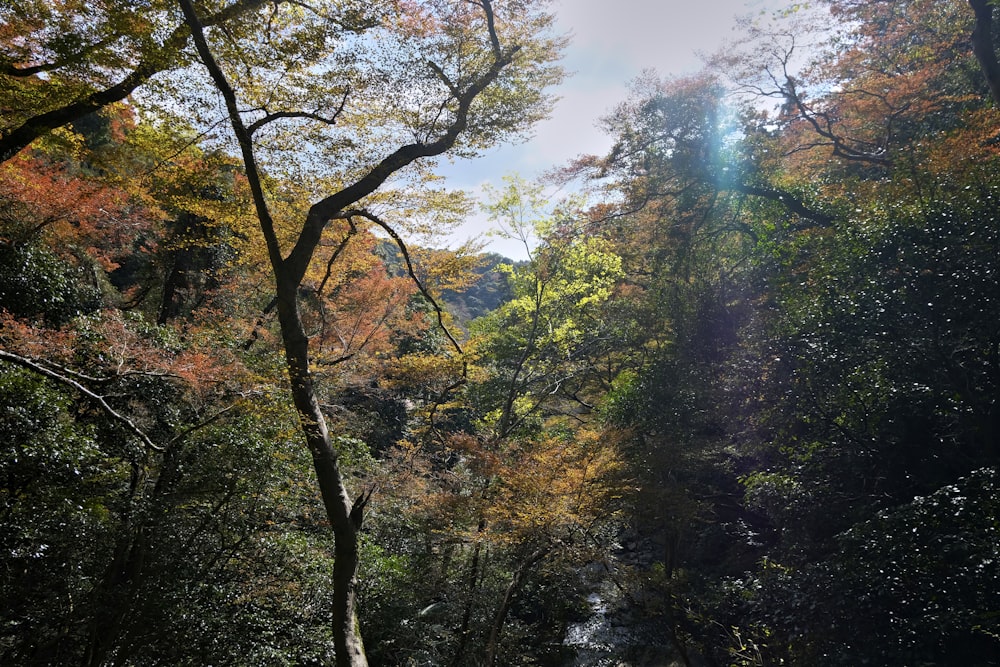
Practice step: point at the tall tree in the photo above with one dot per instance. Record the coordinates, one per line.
(481, 67)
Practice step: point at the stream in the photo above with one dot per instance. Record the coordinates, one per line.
(615, 634)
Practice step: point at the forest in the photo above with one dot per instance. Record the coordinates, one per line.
(737, 405)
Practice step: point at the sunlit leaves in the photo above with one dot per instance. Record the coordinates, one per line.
(535, 345)
(341, 85)
(554, 486)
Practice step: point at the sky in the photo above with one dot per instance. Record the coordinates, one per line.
(613, 42)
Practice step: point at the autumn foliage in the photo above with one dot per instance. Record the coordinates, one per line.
(735, 404)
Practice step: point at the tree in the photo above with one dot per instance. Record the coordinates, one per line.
(539, 347)
(508, 487)
(863, 366)
(184, 523)
(61, 61)
(128, 490)
(761, 437)
(544, 469)
(462, 95)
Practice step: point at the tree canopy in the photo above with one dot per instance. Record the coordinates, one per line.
(736, 405)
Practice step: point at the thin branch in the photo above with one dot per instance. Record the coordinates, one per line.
(336, 253)
(409, 269)
(42, 370)
(339, 360)
(200, 425)
(188, 144)
(12, 70)
(255, 334)
(311, 115)
(444, 78)
(102, 380)
(355, 332)
(439, 400)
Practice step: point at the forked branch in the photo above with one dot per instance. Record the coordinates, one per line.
(308, 115)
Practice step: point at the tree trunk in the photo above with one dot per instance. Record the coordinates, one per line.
(508, 598)
(982, 45)
(169, 308)
(118, 589)
(345, 519)
(114, 597)
(470, 599)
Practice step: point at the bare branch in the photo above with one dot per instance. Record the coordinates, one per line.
(255, 334)
(202, 424)
(823, 125)
(339, 360)
(336, 253)
(61, 378)
(439, 400)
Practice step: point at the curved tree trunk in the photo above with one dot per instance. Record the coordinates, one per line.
(344, 517)
(289, 272)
